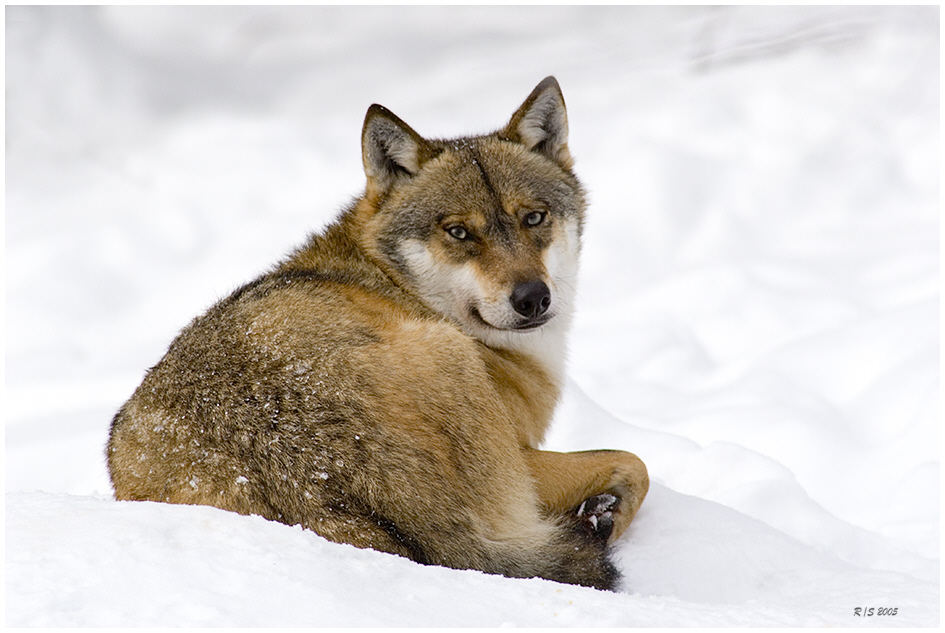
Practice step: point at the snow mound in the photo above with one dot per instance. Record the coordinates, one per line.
(87, 561)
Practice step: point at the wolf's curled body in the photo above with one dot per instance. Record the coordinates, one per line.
(388, 384)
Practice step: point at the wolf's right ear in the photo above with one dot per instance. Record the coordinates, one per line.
(390, 149)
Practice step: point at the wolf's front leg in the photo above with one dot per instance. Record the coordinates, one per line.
(605, 488)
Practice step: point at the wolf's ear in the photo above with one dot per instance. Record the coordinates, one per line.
(390, 149)
(541, 123)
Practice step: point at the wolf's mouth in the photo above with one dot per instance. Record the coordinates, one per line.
(531, 324)
(525, 325)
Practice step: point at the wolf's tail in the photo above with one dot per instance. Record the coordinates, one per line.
(558, 549)
(572, 555)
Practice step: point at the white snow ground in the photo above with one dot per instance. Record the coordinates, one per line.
(758, 304)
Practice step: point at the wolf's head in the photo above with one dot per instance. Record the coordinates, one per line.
(486, 229)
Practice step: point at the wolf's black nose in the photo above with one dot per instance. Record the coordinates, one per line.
(531, 299)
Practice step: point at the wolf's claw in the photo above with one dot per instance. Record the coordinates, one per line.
(596, 515)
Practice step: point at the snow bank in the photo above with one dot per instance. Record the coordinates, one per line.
(85, 561)
(758, 303)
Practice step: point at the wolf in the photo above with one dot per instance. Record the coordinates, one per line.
(388, 384)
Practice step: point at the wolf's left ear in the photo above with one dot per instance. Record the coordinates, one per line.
(390, 149)
(541, 123)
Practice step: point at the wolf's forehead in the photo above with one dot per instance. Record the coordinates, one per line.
(492, 177)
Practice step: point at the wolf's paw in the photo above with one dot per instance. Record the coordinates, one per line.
(596, 515)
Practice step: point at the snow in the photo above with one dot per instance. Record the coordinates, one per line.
(757, 307)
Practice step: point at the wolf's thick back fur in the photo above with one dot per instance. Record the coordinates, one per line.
(388, 384)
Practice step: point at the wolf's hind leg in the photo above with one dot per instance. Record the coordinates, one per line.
(499, 528)
(580, 484)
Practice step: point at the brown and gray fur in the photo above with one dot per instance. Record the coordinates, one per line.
(379, 388)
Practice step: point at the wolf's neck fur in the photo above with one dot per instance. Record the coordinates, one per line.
(338, 249)
(547, 346)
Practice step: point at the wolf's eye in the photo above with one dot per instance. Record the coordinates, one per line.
(458, 232)
(534, 218)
